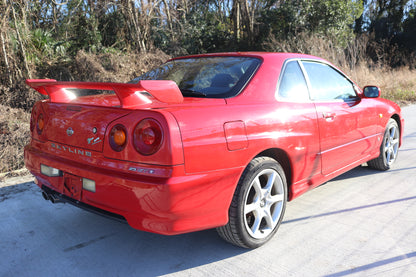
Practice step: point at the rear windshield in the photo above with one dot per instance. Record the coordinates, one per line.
(211, 77)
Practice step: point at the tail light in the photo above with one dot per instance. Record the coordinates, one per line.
(40, 124)
(118, 137)
(147, 137)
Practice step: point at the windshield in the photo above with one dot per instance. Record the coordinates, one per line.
(212, 77)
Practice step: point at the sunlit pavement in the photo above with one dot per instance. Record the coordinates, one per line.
(363, 223)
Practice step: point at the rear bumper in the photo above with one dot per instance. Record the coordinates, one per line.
(56, 197)
(172, 204)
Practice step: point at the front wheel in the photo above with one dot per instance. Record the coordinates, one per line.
(258, 204)
(389, 147)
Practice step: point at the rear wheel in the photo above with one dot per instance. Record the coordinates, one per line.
(258, 204)
(389, 147)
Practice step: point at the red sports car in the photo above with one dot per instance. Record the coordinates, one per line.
(216, 140)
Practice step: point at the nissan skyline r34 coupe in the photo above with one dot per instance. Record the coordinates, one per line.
(208, 141)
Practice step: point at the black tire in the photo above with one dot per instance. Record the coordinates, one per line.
(389, 147)
(258, 204)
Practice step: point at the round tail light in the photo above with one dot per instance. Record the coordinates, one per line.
(147, 137)
(118, 137)
(40, 124)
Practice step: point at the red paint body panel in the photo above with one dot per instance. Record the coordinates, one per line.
(206, 144)
(347, 132)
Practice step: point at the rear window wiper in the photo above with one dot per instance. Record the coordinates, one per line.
(192, 93)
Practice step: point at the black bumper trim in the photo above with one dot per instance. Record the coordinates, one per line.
(89, 208)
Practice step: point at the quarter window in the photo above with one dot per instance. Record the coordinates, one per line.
(327, 83)
(293, 85)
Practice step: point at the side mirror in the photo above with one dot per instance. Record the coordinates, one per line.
(371, 92)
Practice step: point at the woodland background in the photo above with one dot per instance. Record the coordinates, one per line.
(373, 41)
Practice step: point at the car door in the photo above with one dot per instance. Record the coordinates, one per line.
(345, 120)
(298, 115)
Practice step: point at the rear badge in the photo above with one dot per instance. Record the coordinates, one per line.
(71, 150)
(69, 131)
(142, 170)
(93, 140)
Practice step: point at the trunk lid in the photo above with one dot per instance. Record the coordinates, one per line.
(79, 125)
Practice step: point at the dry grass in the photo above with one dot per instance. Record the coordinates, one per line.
(14, 135)
(114, 67)
(398, 84)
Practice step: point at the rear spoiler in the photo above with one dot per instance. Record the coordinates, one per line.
(130, 95)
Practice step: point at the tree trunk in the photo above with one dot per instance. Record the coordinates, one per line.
(6, 61)
(237, 20)
(22, 46)
(169, 19)
(128, 9)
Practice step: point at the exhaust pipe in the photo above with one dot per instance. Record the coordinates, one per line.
(54, 198)
(45, 196)
(51, 196)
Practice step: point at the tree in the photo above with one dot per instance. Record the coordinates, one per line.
(286, 19)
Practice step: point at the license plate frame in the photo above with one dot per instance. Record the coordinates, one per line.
(72, 186)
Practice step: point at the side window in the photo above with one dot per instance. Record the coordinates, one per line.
(327, 83)
(293, 85)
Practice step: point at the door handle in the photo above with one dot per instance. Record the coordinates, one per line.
(328, 116)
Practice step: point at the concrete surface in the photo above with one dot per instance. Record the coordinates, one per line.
(363, 223)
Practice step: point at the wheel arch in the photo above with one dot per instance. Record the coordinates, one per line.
(283, 158)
